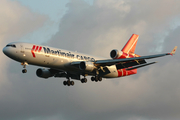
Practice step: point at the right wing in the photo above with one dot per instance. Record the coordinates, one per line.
(116, 61)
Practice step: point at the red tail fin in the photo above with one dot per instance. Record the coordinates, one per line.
(130, 46)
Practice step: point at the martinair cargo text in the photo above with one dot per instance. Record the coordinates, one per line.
(73, 65)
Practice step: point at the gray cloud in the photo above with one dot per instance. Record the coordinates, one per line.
(151, 94)
(16, 21)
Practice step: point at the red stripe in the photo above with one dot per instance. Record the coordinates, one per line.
(37, 47)
(124, 72)
(124, 55)
(33, 47)
(40, 49)
(32, 51)
(131, 56)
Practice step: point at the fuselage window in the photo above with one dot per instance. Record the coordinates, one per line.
(11, 45)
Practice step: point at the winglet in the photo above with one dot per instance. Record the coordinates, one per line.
(174, 50)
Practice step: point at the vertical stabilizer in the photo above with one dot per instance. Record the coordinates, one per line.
(130, 46)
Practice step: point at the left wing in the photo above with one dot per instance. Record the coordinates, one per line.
(116, 61)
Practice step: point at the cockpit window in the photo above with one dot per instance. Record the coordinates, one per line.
(11, 45)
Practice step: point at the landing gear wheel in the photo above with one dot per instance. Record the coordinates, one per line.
(92, 78)
(24, 66)
(100, 78)
(84, 80)
(24, 71)
(64, 83)
(68, 83)
(96, 78)
(72, 83)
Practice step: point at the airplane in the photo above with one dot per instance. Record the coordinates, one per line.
(74, 65)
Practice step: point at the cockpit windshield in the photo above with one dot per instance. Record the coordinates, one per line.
(11, 45)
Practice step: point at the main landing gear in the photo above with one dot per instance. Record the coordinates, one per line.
(84, 80)
(68, 82)
(96, 79)
(24, 66)
(71, 83)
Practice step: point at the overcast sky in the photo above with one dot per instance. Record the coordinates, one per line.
(93, 27)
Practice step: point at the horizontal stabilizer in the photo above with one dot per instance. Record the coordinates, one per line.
(139, 66)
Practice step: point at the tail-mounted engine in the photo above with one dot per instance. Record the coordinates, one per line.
(43, 73)
(115, 54)
(87, 66)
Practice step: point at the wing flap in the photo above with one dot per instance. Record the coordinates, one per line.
(139, 66)
(130, 64)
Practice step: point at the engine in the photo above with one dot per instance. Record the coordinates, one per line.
(115, 54)
(43, 73)
(87, 66)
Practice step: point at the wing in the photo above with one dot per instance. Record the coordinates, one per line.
(135, 59)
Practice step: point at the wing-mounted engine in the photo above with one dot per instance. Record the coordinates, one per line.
(87, 66)
(44, 73)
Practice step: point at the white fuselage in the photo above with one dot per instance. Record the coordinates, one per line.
(52, 58)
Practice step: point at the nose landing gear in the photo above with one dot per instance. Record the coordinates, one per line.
(24, 71)
(24, 66)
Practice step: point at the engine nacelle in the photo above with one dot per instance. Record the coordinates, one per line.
(43, 73)
(115, 54)
(87, 66)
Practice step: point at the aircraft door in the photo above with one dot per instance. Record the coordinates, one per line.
(22, 50)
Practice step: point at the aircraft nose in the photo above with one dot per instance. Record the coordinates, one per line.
(5, 50)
